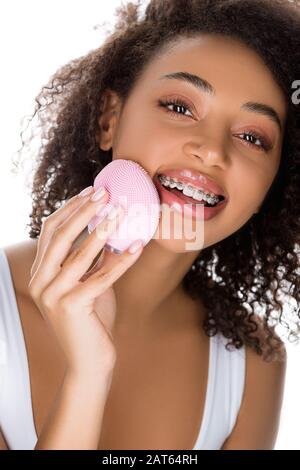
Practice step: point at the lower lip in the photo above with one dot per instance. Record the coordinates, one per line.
(180, 206)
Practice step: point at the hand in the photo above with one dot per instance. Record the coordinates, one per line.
(66, 295)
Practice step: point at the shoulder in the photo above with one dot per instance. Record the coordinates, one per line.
(20, 257)
(257, 423)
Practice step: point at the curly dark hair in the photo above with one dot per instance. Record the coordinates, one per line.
(258, 265)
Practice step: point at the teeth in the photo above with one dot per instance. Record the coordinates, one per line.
(172, 183)
(164, 181)
(188, 190)
(198, 195)
(180, 185)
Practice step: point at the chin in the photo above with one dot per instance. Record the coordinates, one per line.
(177, 240)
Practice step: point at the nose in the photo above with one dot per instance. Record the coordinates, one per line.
(210, 150)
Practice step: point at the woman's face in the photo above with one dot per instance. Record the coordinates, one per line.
(210, 132)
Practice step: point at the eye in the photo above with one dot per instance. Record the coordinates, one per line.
(177, 103)
(264, 145)
(180, 105)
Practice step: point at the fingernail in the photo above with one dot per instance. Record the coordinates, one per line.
(98, 194)
(135, 246)
(85, 191)
(113, 212)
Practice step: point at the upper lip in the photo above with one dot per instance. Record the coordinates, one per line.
(196, 179)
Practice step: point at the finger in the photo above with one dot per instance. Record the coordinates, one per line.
(104, 278)
(77, 263)
(62, 238)
(54, 220)
(95, 267)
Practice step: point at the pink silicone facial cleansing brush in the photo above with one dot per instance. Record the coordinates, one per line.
(129, 185)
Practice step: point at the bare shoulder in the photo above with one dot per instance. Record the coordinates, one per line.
(3, 443)
(259, 416)
(20, 257)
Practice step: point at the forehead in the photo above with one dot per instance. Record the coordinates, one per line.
(234, 70)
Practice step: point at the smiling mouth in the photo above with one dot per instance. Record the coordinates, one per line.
(189, 199)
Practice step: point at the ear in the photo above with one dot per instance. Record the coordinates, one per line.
(110, 108)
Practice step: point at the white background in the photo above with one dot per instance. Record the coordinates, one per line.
(37, 37)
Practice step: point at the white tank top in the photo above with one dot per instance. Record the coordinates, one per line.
(225, 385)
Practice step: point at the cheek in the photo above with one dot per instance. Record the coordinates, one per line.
(129, 133)
(247, 186)
(140, 138)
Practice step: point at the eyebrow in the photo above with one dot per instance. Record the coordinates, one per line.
(206, 87)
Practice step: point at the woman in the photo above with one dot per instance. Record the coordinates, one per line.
(162, 348)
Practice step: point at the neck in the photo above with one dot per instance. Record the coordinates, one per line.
(151, 289)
